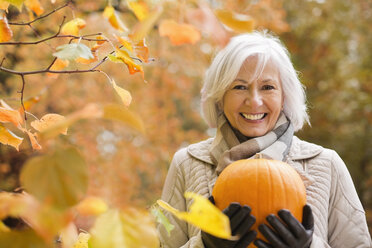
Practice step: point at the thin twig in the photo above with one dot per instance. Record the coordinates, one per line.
(41, 17)
(54, 60)
(46, 71)
(22, 91)
(74, 37)
(39, 41)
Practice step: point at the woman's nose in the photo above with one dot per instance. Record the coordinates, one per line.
(253, 99)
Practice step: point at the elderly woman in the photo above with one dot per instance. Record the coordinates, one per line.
(252, 95)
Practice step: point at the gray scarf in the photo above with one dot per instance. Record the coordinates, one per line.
(226, 147)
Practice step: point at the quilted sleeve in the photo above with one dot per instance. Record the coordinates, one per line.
(347, 221)
(173, 190)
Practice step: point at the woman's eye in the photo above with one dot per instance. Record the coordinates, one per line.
(268, 87)
(240, 87)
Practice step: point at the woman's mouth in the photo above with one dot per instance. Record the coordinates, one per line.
(253, 117)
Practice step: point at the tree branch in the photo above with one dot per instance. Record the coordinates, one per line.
(74, 37)
(41, 17)
(22, 91)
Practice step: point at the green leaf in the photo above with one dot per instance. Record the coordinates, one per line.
(73, 51)
(162, 219)
(60, 178)
(17, 3)
(25, 239)
(120, 113)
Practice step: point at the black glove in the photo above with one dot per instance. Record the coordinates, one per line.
(241, 222)
(293, 234)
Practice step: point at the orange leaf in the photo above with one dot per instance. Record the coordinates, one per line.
(58, 65)
(73, 27)
(208, 24)
(101, 39)
(142, 51)
(91, 206)
(140, 9)
(10, 115)
(47, 121)
(88, 61)
(35, 6)
(34, 143)
(5, 32)
(28, 104)
(179, 33)
(9, 138)
(113, 18)
(237, 22)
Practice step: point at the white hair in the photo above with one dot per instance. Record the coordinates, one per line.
(227, 63)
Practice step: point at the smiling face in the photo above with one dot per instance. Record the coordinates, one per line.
(253, 105)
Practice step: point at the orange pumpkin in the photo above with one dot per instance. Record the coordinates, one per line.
(266, 186)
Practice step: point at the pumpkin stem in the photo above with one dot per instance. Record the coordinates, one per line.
(258, 156)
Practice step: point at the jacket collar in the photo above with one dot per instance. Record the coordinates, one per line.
(299, 150)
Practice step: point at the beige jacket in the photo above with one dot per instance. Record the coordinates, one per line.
(339, 216)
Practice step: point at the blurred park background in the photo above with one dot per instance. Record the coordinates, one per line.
(330, 44)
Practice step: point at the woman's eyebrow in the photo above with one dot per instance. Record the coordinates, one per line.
(266, 80)
(241, 80)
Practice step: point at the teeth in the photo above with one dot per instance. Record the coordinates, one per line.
(253, 117)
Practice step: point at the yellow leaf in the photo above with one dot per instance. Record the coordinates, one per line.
(88, 112)
(125, 96)
(35, 6)
(124, 57)
(110, 13)
(204, 215)
(9, 138)
(82, 241)
(142, 28)
(134, 234)
(5, 32)
(47, 121)
(4, 5)
(69, 236)
(3, 227)
(140, 9)
(130, 228)
(11, 204)
(34, 143)
(237, 22)
(120, 113)
(126, 43)
(92, 206)
(73, 27)
(10, 115)
(142, 51)
(179, 33)
(17, 3)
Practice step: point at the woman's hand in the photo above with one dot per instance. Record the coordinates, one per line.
(241, 222)
(292, 235)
